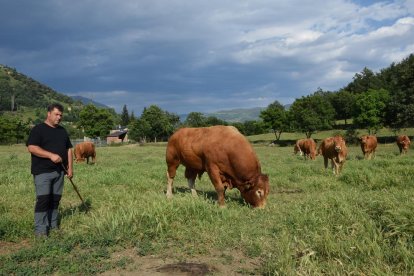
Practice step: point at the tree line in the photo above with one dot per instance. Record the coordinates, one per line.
(370, 101)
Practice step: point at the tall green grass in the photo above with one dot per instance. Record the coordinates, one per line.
(361, 222)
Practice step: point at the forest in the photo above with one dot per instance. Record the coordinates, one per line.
(371, 101)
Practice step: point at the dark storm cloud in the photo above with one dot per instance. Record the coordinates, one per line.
(201, 55)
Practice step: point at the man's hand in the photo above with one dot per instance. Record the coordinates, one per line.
(55, 158)
(38, 151)
(69, 173)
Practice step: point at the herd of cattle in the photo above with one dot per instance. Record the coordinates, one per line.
(230, 161)
(334, 149)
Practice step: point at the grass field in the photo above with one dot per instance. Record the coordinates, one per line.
(361, 222)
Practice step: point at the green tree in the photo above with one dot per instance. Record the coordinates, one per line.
(398, 79)
(275, 117)
(132, 117)
(312, 113)
(251, 127)
(13, 130)
(139, 129)
(153, 125)
(195, 119)
(370, 109)
(95, 122)
(343, 102)
(125, 116)
(364, 81)
(214, 121)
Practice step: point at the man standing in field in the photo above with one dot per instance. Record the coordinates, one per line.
(51, 151)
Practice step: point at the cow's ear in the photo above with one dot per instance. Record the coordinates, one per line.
(260, 193)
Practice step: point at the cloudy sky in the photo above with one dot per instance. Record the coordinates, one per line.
(203, 56)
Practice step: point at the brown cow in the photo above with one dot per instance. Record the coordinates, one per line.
(334, 148)
(297, 148)
(368, 145)
(85, 150)
(306, 147)
(225, 155)
(403, 143)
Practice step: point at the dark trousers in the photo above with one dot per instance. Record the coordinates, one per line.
(49, 189)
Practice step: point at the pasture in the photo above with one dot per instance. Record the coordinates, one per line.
(361, 222)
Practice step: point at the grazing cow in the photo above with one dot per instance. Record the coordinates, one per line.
(306, 147)
(334, 148)
(85, 150)
(368, 146)
(403, 143)
(225, 155)
(297, 148)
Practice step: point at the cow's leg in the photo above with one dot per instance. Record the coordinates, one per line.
(325, 162)
(171, 172)
(333, 165)
(191, 177)
(173, 162)
(337, 164)
(214, 174)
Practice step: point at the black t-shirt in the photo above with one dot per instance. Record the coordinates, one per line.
(53, 139)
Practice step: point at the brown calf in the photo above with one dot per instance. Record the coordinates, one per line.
(334, 148)
(306, 147)
(368, 145)
(403, 143)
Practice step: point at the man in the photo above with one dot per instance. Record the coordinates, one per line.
(51, 151)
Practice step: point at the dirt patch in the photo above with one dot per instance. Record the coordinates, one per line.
(187, 268)
(221, 263)
(12, 247)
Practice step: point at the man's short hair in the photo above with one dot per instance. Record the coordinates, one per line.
(52, 106)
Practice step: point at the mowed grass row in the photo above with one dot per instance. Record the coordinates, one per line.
(361, 222)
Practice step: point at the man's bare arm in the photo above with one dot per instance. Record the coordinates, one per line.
(70, 163)
(38, 151)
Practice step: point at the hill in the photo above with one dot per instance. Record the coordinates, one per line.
(87, 101)
(23, 96)
(238, 115)
(18, 91)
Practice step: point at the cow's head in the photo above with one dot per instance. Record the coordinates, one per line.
(295, 149)
(338, 143)
(313, 154)
(363, 139)
(256, 193)
(406, 142)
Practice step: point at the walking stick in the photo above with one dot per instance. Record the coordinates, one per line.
(75, 188)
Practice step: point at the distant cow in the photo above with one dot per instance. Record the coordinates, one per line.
(403, 143)
(225, 155)
(85, 150)
(334, 148)
(368, 145)
(297, 148)
(306, 147)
